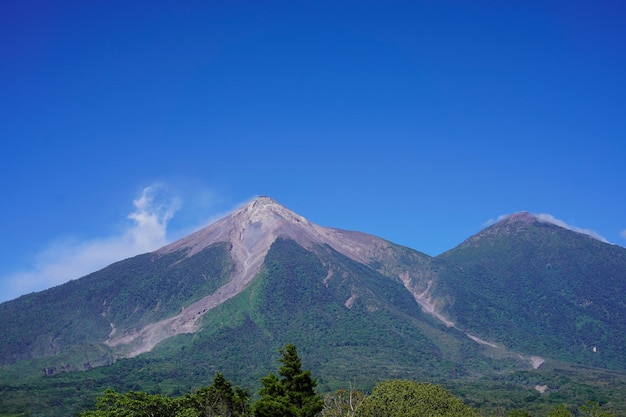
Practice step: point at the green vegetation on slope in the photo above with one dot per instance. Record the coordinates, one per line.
(123, 296)
(539, 289)
(294, 395)
(291, 395)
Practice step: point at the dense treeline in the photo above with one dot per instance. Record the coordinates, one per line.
(292, 393)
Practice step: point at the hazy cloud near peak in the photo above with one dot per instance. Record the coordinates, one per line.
(548, 218)
(67, 259)
(623, 233)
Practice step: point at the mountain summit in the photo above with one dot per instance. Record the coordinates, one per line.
(530, 278)
(255, 226)
(249, 233)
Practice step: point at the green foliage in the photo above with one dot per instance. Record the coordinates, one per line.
(293, 395)
(220, 399)
(403, 398)
(217, 400)
(519, 413)
(560, 411)
(133, 404)
(593, 409)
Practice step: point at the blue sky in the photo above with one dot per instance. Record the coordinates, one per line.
(126, 125)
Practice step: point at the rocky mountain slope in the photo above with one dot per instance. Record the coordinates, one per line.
(128, 308)
(249, 233)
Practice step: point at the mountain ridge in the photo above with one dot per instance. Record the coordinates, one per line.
(250, 231)
(519, 292)
(536, 285)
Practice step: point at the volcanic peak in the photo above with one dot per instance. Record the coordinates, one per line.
(266, 210)
(246, 225)
(520, 217)
(250, 231)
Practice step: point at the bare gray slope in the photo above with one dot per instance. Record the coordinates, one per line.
(251, 230)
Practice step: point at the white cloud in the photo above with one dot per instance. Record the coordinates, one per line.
(548, 218)
(69, 259)
(151, 216)
(623, 234)
(493, 221)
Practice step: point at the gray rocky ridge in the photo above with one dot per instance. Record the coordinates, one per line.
(251, 230)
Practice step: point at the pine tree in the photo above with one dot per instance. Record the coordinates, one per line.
(293, 395)
(220, 399)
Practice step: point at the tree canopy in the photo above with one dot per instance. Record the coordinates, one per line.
(218, 399)
(403, 398)
(292, 393)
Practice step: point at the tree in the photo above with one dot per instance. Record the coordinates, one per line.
(560, 411)
(519, 413)
(136, 404)
(402, 398)
(220, 399)
(593, 409)
(293, 395)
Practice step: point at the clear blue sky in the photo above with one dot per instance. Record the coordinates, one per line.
(415, 121)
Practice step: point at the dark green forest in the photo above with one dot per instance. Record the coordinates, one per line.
(539, 288)
(292, 393)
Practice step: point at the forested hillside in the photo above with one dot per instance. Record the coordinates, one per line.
(540, 289)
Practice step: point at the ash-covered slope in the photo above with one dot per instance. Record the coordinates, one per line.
(249, 233)
(539, 288)
(131, 306)
(254, 227)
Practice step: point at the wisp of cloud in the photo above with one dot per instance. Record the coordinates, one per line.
(69, 259)
(548, 218)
